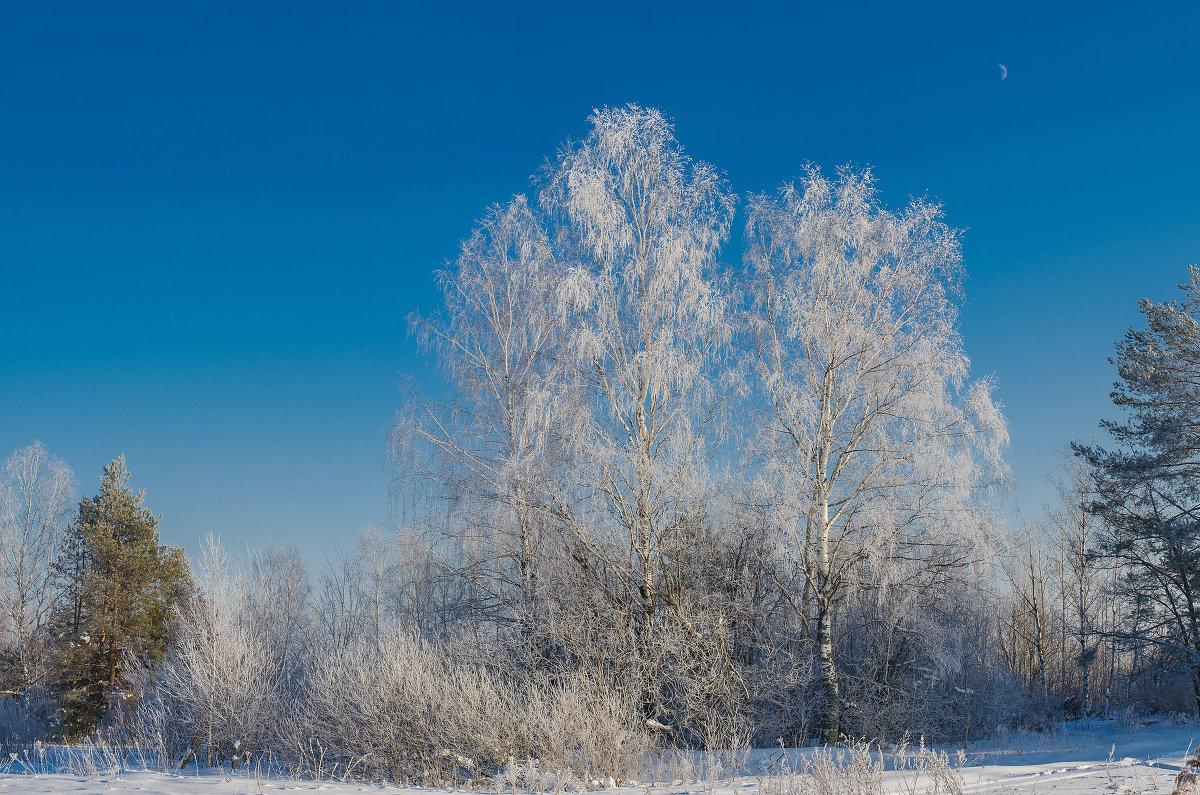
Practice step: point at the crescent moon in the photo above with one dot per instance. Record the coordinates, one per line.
(1003, 70)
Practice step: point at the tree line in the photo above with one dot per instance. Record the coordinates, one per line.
(654, 500)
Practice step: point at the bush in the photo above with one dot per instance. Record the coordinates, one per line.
(406, 710)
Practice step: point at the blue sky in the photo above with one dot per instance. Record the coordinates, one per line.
(214, 217)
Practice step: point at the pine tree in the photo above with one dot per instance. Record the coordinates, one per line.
(1148, 486)
(120, 587)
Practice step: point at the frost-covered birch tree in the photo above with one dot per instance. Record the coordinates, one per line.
(483, 446)
(874, 440)
(36, 495)
(646, 325)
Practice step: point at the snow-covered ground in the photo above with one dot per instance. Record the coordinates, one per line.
(1075, 759)
(1104, 757)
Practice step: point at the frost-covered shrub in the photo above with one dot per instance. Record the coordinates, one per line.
(923, 660)
(406, 710)
(402, 710)
(859, 769)
(856, 770)
(587, 727)
(216, 697)
(212, 701)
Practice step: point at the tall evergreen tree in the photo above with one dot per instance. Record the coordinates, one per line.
(120, 588)
(1148, 488)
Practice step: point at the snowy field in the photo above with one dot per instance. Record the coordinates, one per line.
(1072, 760)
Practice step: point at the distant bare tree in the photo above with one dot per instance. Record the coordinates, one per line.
(385, 583)
(280, 609)
(379, 563)
(1028, 622)
(36, 497)
(423, 595)
(1078, 533)
(341, 605)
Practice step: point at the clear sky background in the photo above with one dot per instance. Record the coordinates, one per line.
(214, 217)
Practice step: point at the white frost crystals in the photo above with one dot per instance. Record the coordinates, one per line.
(873, 445)
(644, 328)
(665, 472)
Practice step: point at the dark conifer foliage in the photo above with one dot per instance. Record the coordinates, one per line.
(120, 590)
(1148, 485)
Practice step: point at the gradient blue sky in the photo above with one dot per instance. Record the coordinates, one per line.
(214, 217)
